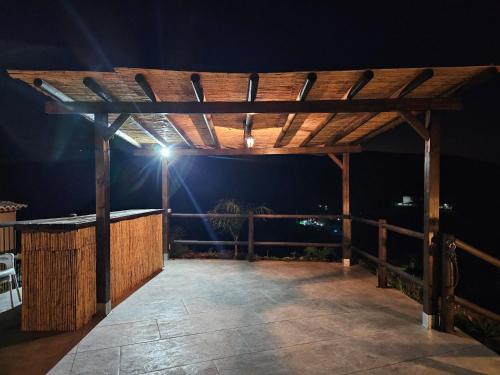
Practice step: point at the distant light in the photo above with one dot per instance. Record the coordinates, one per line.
(165, 152)
(250, 141)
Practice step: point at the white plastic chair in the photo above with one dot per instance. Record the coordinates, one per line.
(9, 274)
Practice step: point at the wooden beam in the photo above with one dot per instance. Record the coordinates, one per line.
(108, 97)
(200, 97)
(349, 95)
(165, 202)
(102, 207)
(415, 123)
(59, 96)
(253, 151)
(419, 79)
(306, 88)
(150, 93)
(431, 222)
(336, 160)
(346, 212)
(311, 106)
(115, 126)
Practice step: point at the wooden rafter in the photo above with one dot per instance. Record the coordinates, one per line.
(422, 77)
(254, 151)
(108, 97)
(150, 93)
(318, 106)
(306, 88)
(59, 96)
(350, 94)
(460, 88)
(200, 97)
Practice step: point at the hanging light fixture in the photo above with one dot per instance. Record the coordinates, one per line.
(249, 140)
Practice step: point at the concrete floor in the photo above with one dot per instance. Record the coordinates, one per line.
(270, 317)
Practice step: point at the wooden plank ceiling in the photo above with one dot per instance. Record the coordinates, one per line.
(304, 130)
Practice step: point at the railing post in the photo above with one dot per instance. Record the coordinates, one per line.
(382, 253)
(346, 213)
(448, 257)
(251, 255)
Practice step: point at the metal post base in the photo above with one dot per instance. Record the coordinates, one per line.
(346, 262)
(103, 309)
(429, 321)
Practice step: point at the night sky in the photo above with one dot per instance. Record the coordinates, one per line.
(47, 161)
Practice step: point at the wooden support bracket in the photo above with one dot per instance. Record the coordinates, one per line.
(415, 123)
(337, 161)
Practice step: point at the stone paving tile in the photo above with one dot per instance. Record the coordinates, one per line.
(223, 302)
(128, 312)
(63, 367)
(180, 351)
(326, 357)
(207, 322)
(102, 361)
(109, 336)
(204, 368)
(285, 333)
(468, 361)
(298, 308)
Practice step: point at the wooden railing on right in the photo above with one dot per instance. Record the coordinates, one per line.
(449, 268)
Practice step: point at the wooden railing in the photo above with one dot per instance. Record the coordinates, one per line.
(381, 259)
(449, 268)
(251, 243)
(449, 278)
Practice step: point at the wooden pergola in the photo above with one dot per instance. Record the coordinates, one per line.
(198, 114)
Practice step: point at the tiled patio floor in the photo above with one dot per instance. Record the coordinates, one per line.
(235, 317)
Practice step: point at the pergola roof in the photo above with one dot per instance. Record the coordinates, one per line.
(268, 129)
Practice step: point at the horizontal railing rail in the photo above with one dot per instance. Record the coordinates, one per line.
(477, 253)
(389, 266)
(477, 309)
(257, 243)
(390, 227)
(257, 216)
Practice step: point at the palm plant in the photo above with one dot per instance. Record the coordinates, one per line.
(233, 225)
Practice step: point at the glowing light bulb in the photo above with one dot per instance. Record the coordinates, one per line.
(165, 152)
(250, 141)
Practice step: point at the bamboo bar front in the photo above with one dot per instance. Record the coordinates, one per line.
(59, 265)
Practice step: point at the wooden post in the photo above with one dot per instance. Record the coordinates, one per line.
(447, 289)
(382, 253)
(102, 209)
(251, 255)
(431, 224)
(346, 212)
(165, 202)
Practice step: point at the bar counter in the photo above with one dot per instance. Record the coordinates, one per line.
(59, 265)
